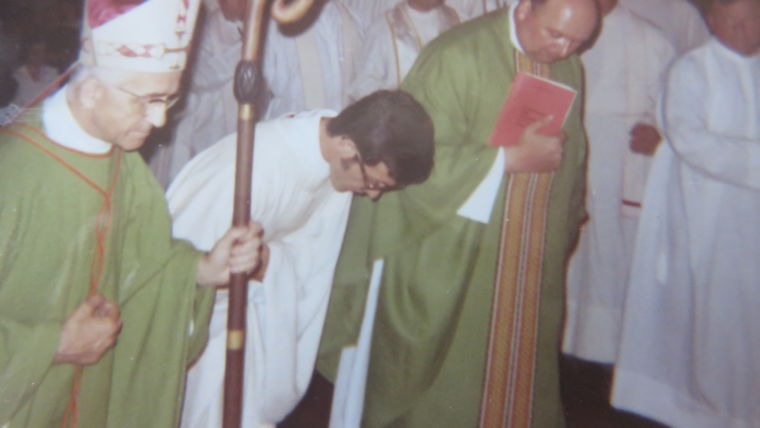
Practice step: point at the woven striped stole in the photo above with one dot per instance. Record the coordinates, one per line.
(511, 359)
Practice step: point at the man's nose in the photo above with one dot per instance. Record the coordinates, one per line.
(157, 114)
(563, 46)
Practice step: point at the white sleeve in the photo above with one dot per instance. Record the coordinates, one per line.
(726, 156)
(659, 61)
(296, 290)
(479, 205)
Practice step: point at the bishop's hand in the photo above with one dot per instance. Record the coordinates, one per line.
(89, 332)
(238, 251)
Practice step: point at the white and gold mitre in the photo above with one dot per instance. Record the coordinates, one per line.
(138, 35)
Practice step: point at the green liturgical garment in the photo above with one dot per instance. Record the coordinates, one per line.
(69, 220)
(427, 360)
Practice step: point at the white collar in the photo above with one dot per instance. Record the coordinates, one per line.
(61, 126)
(513, 28)
(418, 14)
(733, 55)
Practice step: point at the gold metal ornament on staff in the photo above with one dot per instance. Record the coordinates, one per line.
(247, 84)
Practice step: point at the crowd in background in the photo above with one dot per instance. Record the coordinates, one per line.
(55, 24)
(38, 42)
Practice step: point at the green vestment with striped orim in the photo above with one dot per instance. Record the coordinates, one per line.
(432, 323)
(57, 234)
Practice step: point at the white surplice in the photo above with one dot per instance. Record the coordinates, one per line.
(679, 20)
(690, 344)
(625, 76)
(312, 69)
(469, 9)
(304, 219)
(392, 44)
(367, 12)
(303, 71)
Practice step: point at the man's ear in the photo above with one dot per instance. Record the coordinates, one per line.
(523, 9)
(346, 147)
(89, 92)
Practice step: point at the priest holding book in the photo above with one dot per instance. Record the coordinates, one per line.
(482, 243)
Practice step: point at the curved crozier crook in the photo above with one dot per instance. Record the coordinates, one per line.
(291, 12)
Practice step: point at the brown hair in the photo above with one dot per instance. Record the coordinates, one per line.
(393, 128)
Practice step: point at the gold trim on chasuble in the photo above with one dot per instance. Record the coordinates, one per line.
(511, 360)
(102, 226)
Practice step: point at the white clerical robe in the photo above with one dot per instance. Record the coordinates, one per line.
(625, 73)
(690, 344)
(680, 20)
(469, 9)
(312, 69)
(303, 71)
(392, 44)
(304, 219)
(367, 12)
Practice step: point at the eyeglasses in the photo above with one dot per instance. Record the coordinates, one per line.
(150, 102)
(370, 183)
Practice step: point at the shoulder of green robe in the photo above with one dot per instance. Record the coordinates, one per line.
(17, 154)
(569, 71)
(459, 39)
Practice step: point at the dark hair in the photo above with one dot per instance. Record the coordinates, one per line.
(393, 128)
(8, 87)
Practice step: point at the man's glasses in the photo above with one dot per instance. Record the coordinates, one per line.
(152, 102)
(369, 183)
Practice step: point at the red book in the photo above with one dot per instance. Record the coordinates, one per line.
(531, 98)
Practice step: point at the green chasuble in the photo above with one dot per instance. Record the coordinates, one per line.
(427, 361)
(69, 220)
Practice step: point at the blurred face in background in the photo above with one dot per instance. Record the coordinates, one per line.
(736, 25)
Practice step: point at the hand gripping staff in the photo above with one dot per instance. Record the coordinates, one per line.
(247, 84)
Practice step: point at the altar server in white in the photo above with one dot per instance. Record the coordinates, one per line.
(368, 11)
(625, 75)
(310, 64)
(393, 42)
(306, 66)
(470, 9)
(306, 167)
(690, 341)
(34, 77)
(680, 20)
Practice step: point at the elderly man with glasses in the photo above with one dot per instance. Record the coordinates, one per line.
(100, 309)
